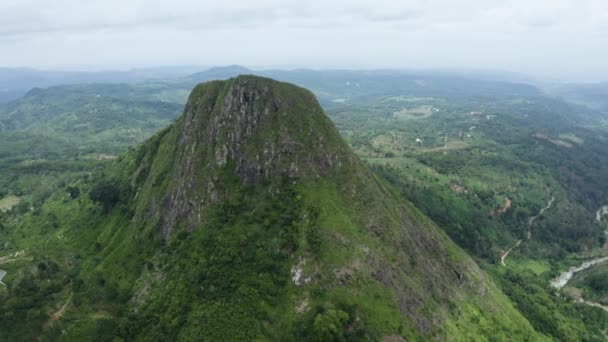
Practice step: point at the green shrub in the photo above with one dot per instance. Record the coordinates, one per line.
(108, 193)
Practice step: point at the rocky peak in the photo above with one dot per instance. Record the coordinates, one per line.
(264, 127)
(256, 129)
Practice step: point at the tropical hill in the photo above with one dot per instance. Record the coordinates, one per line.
(513, 176)
(248, 218)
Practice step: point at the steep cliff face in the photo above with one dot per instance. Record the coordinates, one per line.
(272, 228)
(258, 130)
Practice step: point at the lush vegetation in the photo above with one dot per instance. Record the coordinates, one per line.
(463, 160)
(473, 154)
(592, 284)
(52, 136)
(84, 260)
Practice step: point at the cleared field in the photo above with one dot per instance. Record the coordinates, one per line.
(572, 138)
(562, 143)
(450, 145)
(419, 112)
(7, 203)
(537, 266)
(403, 98)
(383, 141)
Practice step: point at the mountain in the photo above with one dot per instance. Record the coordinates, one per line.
(15, 82)
(219, 73)
(87, 116)
(362, 86)
(248, 218)
(336, 87)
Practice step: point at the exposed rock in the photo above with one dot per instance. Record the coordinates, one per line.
(303, 306)
(256, 129)
(297, 273)
(498, 211)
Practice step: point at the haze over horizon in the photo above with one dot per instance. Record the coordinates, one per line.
(539, 38)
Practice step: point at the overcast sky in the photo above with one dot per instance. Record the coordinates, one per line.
(566, 38)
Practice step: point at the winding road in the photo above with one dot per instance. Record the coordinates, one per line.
(57, 315)
(505, 255)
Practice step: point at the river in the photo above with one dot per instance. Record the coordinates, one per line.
(601, 213)
(563, 279)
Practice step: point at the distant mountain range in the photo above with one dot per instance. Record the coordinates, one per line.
(15, 82)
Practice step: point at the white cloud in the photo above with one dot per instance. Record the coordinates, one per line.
(526, 35)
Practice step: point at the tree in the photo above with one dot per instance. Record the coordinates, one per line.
(73, 191)
(107, 193)
(330, 325)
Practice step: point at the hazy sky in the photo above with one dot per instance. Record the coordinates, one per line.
(561, 37)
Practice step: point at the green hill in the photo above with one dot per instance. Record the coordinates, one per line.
(249, 218)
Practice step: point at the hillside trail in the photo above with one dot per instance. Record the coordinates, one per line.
(57, 315)
(542, 211)
(505, 255)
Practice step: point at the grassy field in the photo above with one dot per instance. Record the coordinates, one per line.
(539, 267)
